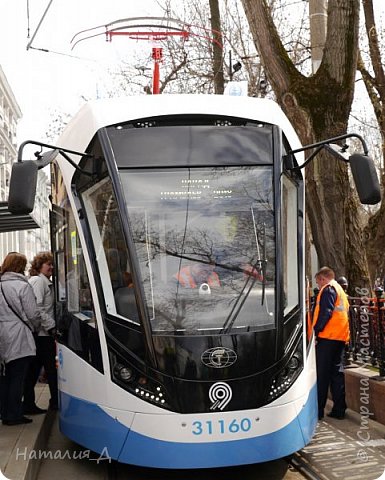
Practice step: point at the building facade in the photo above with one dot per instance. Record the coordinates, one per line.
(28, 242)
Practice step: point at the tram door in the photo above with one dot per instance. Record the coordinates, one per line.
(74, 312)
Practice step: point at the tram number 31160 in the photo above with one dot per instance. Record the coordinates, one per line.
(221, 427)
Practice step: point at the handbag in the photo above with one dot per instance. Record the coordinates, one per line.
(13, 310)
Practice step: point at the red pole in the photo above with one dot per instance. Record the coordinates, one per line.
(157, 56)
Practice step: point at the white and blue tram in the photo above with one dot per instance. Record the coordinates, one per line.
(178, 235)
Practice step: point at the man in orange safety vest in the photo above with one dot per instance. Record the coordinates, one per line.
(331, 327)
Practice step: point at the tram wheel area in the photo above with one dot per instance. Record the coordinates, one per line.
(274, 470)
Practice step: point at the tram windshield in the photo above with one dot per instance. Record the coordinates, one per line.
(205, 244)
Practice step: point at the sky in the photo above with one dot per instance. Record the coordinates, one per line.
(42, 82)
(47, 82)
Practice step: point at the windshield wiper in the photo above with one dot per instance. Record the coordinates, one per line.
(229, 322)
(260, 266)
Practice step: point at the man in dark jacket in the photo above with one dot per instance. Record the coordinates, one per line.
(331, 327)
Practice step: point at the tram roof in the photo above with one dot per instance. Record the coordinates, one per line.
(101, 113)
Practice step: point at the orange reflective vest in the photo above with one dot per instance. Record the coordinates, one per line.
(186, 279)
(337, 327)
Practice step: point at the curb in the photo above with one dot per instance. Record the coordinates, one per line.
(33, 464)
(21, 446)
(357, 418)
(23, 461)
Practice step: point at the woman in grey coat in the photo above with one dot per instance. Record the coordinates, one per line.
(19, 317)
(40, 274)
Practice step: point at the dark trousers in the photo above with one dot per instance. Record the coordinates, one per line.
(330, 373)
(45, 357)
(11, 388)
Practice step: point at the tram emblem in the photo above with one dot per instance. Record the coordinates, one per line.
(219, 357)
(220, 395)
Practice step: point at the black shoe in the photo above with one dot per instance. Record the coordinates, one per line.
(21, 421)
(338, 416)
(35, 410)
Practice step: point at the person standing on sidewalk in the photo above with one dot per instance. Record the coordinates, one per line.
(40, 274)
(344, 283)
(331, 327)
(19, 317)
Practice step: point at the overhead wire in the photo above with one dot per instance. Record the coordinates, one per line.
(46, 50)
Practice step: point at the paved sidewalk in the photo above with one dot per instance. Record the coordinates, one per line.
(349, 449)
(19, 443)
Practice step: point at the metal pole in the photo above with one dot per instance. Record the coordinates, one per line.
(318, 21)
(157, 56)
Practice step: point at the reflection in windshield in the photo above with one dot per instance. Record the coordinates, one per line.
(205, 242)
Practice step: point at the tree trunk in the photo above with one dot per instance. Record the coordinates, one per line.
(215, 19)
(319, 107)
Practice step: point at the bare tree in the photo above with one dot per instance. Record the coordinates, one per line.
(318, 106)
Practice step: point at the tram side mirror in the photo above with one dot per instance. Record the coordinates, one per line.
(22, 187)
(365, 178)
(46, 158)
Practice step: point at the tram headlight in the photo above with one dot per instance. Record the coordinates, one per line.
(135, 382)
(123, 373)
(294, 362)
(283, 380)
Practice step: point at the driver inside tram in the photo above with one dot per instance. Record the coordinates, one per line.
(198, 274)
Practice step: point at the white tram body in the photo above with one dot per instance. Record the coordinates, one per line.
(159, 366)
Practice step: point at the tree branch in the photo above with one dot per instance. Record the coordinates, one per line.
(341, 45)
(371, 87)
(281, 72)
(173, 74)
(374, 49)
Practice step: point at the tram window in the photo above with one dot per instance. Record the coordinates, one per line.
(111, 251)
(61, 292)
(189, 144)
(218, 220)
(290, 243)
